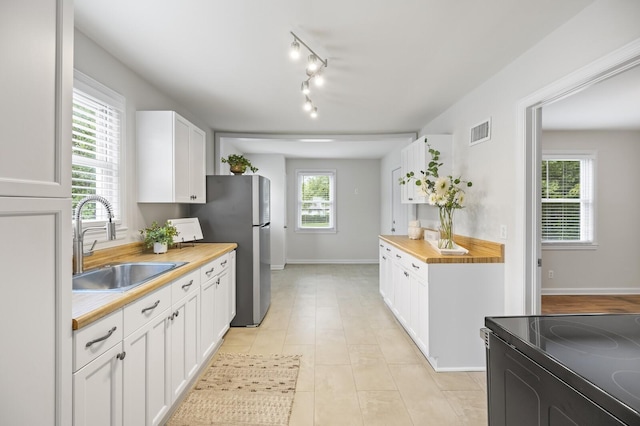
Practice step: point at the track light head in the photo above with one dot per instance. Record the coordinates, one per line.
(318, 79)
(314, 112)
(294, 51)
(312, 64)
(305, 87)
(307, 104)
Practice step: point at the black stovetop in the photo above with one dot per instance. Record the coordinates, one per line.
(597, 354)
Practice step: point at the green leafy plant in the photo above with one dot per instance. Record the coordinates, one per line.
(159, 234)
(239, 163)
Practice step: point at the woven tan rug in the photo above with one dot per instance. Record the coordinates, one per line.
(241, 389)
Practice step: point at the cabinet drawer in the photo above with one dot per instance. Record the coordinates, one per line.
(95, 339)
(416, 267)
(139, 312)
(185, 285)
(214, 267)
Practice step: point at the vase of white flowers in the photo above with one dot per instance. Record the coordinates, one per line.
(445, 192)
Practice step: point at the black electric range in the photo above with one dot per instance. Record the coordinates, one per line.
(594, 358)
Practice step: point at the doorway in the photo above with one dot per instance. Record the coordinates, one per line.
(529, 126)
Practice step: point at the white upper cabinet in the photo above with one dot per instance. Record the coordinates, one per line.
(416, 157)
(171, 159)
(36, 80)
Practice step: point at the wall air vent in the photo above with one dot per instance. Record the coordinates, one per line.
(480, 132)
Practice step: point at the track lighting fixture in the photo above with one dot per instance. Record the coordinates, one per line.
(305, 87)
(307, 104)
(315, 64)
(294, 51)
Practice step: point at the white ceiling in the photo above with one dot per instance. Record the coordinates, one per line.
(393, 65)
(612, 104)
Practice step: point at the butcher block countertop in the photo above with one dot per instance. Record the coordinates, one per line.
(480, 251)
(87, 307)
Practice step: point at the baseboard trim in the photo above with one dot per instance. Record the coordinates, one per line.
(277, 267)
(588, 291)
(333, 261)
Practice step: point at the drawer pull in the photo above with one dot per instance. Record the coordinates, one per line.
(209, 272)
(223, 263)
(388, 249)
(100, 339)
(398, 256)
(406, 274)
(384, 258)
(121, 355)
(151, 308)
(415, 266)
(187, 285)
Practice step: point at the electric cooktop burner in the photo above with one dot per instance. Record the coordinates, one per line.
(603, 349)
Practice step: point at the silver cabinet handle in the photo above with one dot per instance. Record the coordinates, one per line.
(100, 339)
(384, 258)
(223, 263)
(151, 308)
(217, 282)
(209, 271)
(388, 249)
(415, 266)
(187, 285)
(398, 256)
(121, 355)
(174, 315)
(406, 274)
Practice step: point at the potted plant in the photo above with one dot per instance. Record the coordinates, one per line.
(239, 164)
(159, 237)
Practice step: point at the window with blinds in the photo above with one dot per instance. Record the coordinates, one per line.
(316, 201)
(96, 140)
(567, 198)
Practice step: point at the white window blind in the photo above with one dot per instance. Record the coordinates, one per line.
(316, 201)
(568, 198)
(96, 139)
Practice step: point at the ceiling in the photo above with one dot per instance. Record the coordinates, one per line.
(612, 104)
(392, 65)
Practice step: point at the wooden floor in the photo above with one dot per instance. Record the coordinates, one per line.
(590, 304)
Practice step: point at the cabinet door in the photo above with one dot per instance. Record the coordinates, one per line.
(232, 286)
(197, 166)
(185, 351)
(222, 305)
(36, 81)
(181, 178)
(207, 318)
(401, 289)
(97, 390)
(147, 396)
(35, 363)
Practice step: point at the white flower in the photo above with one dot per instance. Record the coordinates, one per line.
(460, 198)
(433, 198)
(442, 186)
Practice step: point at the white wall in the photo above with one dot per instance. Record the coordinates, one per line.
(358, 214)
(98, 64)
(273, 166)
(613, 266)
(494, 166)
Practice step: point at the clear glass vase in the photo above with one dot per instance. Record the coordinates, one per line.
(446, 228)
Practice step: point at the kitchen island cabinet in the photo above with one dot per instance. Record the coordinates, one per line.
(441, 301)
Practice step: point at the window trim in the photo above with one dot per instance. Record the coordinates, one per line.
(93, 88)
(333, 196)
(575, 155)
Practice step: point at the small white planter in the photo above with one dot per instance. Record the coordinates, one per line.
(159, 248)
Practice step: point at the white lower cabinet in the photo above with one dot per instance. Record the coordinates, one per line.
(131, 366)
(185, 341)
(215, 304)
(147, 396)
(442, 305)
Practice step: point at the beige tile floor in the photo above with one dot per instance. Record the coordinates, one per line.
(358, 365)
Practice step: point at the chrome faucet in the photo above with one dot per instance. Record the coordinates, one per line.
(78, 233)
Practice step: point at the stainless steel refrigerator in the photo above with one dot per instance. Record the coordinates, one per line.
(237, 210)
